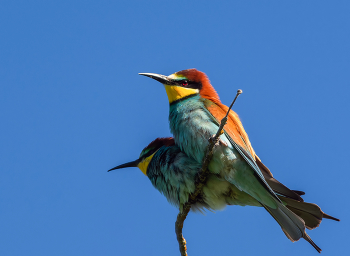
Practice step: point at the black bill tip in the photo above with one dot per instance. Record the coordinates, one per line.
(129, 164)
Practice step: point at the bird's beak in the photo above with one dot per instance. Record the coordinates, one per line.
(130, 164)
(160, 78)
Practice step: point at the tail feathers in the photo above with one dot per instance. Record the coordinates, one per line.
(326, 216)
(292, 225)
(300, 193)
(310, 213)
(277, 186)
(307, 238)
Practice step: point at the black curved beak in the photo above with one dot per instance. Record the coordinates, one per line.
(160, 78)
(130, 164)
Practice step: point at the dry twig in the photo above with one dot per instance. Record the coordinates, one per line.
(200, 182)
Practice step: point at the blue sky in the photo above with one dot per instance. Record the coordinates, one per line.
(73, 106)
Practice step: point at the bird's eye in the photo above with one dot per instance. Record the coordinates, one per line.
(184, 83)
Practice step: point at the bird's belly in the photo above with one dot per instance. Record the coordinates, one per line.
(218, 193)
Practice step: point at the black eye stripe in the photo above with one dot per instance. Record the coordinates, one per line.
(189, 84)
(150, 152)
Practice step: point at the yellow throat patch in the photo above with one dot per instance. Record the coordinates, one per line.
(177, 92)
(144, 164)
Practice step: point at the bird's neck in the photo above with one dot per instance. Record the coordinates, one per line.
(185, 118)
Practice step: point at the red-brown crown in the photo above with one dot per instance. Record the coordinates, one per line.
(159, 142)
(207, 91)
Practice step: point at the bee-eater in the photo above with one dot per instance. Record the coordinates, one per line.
(173, 174)
(195, 114)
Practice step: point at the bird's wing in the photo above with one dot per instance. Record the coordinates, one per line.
(235, 133)
(292, 225)
(277, 186)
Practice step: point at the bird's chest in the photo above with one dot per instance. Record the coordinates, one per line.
(191, 117)
(191, 127)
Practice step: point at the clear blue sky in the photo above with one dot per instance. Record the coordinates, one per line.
(73, 106)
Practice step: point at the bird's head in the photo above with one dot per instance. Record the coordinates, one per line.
(147, 154)
(186, 83)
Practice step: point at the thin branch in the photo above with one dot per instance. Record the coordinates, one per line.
(200, 182)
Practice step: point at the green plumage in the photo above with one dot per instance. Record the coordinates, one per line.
(173, 173)
(236, 174)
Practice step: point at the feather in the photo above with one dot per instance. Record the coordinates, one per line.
(248, 158)
(292, 225)
(276, 186)
(310, 213)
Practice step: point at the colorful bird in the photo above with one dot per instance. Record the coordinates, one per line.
(195, 114)
(173, 174)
